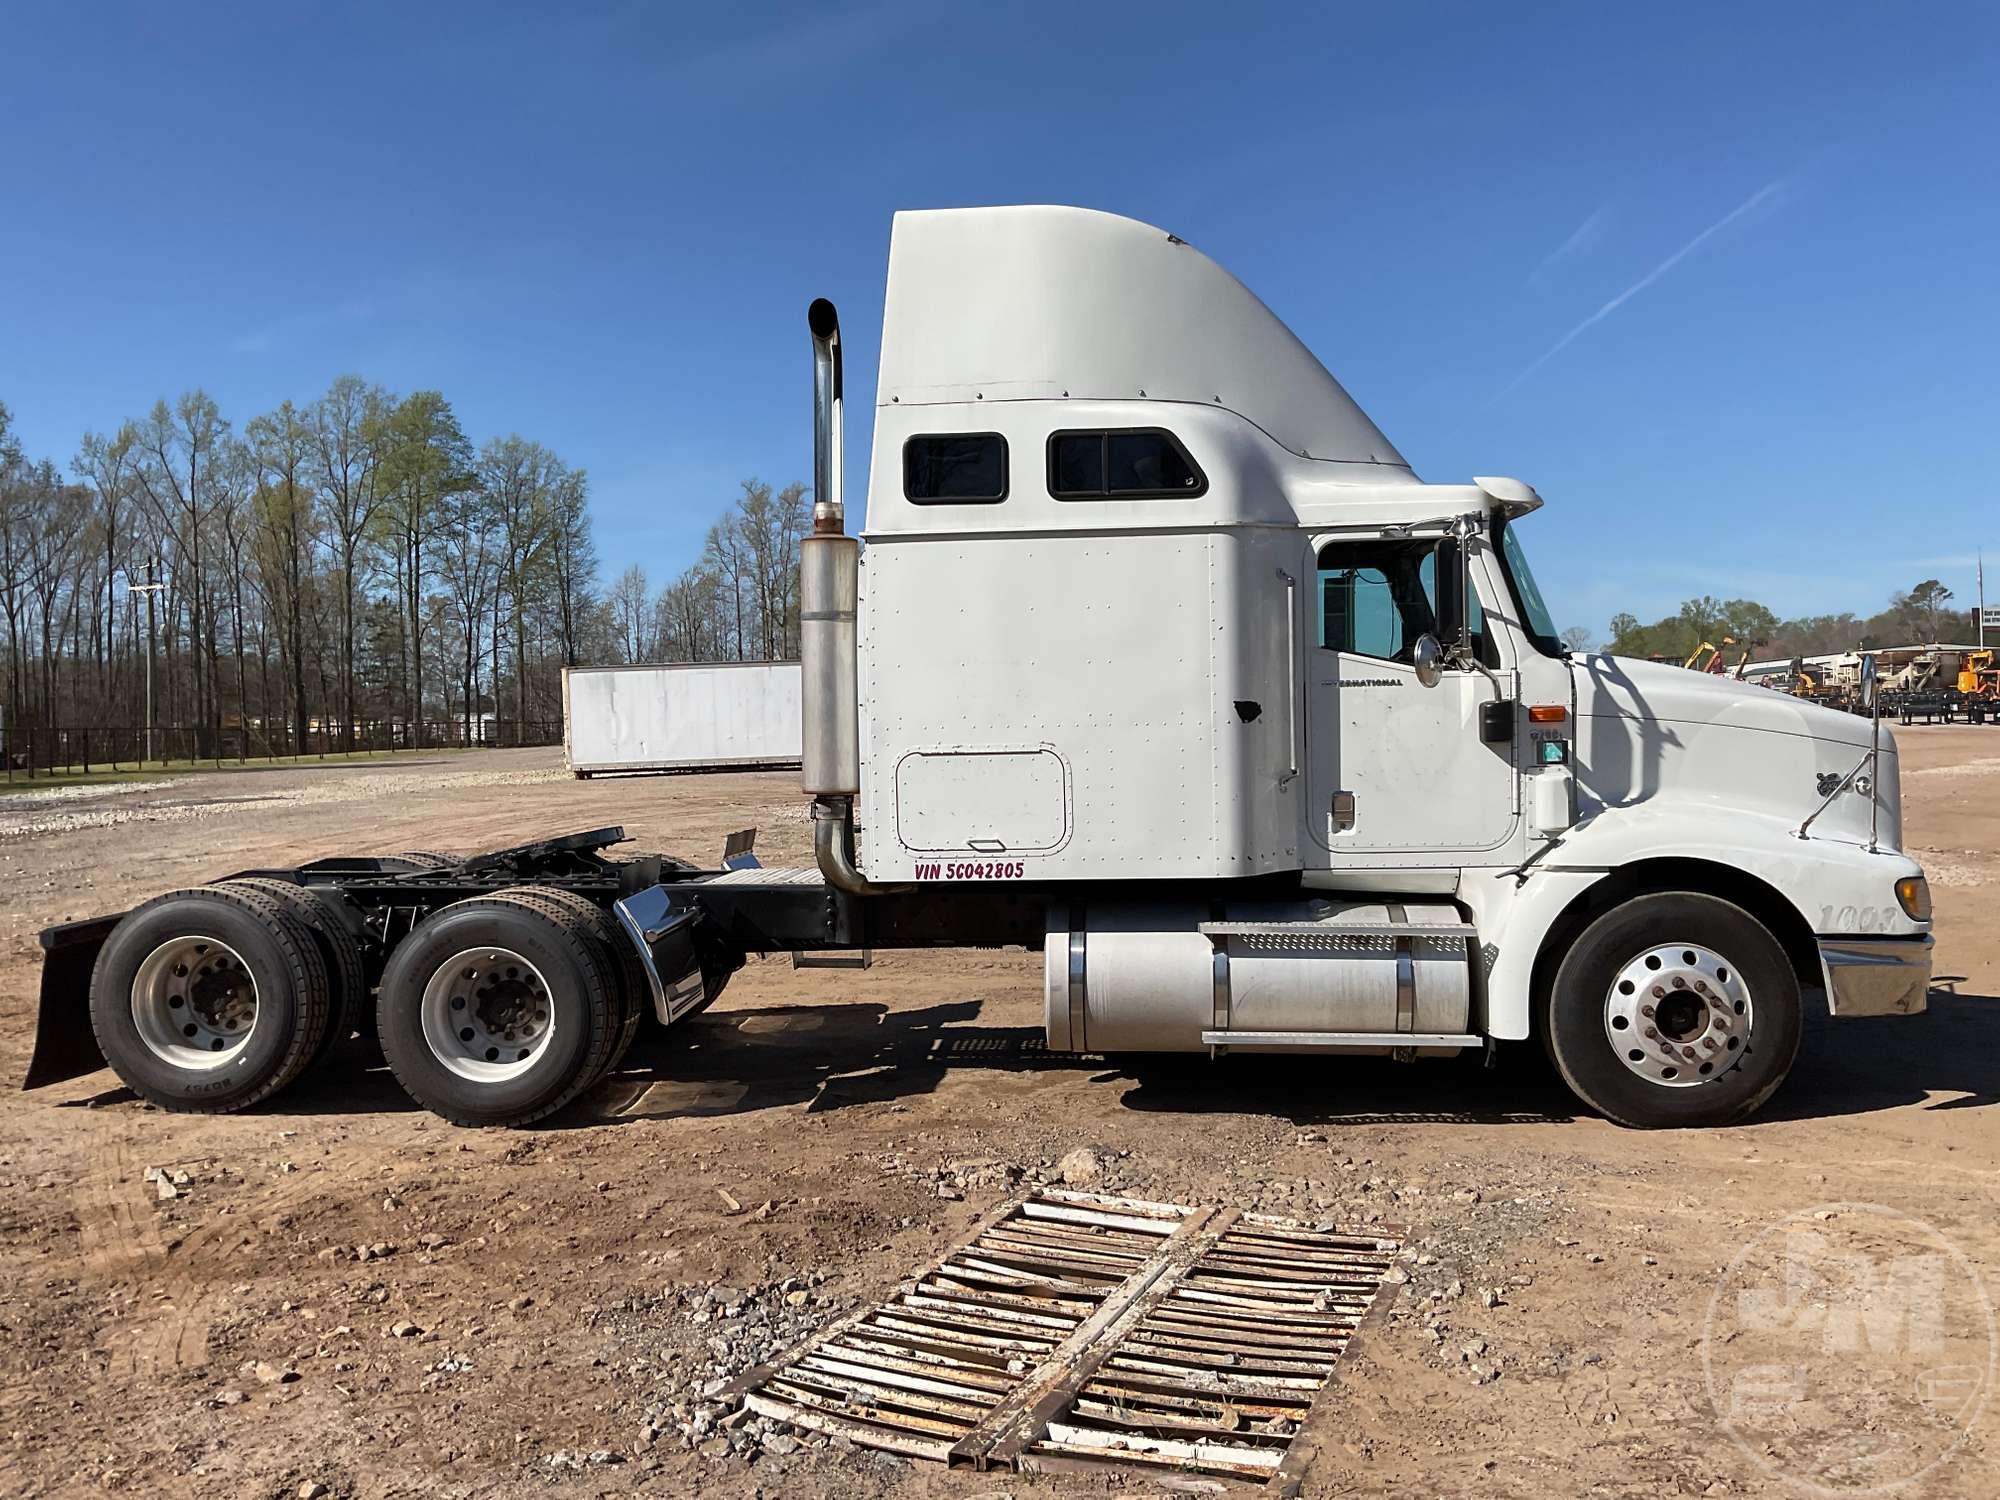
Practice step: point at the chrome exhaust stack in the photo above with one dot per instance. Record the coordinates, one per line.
(829, 598)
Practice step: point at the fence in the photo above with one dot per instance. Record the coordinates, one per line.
(41, 750)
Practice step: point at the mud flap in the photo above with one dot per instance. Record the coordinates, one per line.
(65, 1044)
(682, 978)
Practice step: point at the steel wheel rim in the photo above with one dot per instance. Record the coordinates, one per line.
(194, 1003)
(487, 1014)
(1679, 1015)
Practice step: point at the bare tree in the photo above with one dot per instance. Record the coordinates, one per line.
(179, 446)
(106, 464)
(282, 446)
(572, 556)
(469, 572)
(348, 425)
(425, 459)
(632, 613)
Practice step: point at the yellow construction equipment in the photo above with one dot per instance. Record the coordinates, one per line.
(1978, 674)
(1707, 657)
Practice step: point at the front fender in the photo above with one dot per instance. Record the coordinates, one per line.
(1837, 889)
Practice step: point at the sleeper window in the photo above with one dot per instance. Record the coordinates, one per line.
(955, 468)
(1132, 463)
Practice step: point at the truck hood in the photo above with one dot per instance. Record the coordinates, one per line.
(1617, 686)
(1651, 734)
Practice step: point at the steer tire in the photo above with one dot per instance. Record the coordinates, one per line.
(635, 989)
(291, 987)
(321, 913)
(1576, 1020)
(581, 989)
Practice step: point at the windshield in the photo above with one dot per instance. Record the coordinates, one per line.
(1536, 621)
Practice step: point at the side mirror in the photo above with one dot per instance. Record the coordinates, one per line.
(1868, 682)
(1453, 629)
(1427, 656)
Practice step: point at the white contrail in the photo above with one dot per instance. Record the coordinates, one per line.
(1580, 240)
(1762, 195)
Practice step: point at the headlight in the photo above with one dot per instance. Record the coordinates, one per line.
(1913, 894)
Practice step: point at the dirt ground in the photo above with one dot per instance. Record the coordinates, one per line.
(345, 1292)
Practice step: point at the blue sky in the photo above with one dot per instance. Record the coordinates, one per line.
(1722, 281)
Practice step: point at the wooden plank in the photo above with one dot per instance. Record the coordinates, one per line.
(1063, 1213)
(956, 1372)
(1123, 1384)
(1211, 1377)
(1154, 1424)
(1171, 1213)
(913, 1349)
(1207, 1455)
(915, 1323)
(946, 1301)
(943, 1395)
(832, 1426)
(886, 1413)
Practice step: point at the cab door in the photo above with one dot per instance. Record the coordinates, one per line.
(1399, 773)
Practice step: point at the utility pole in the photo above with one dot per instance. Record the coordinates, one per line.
(1981, 555)
(149, 588)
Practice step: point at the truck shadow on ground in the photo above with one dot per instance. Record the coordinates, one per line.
(1871, 1063)
(832, 1057)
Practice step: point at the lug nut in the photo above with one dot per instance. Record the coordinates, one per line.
(1680, 983)
(1646, 1011)
(1659, 992)
(1652, 1034)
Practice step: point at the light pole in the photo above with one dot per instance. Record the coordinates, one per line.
(149, 588)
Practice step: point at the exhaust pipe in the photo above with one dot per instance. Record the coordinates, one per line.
(829, 518)
(829, 598)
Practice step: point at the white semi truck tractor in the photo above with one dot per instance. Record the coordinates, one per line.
(1153, 654)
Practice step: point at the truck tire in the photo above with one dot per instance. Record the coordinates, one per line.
(320, 912)
(1674, 1009)
(209, 1000)
(489, 974)
(635, 990)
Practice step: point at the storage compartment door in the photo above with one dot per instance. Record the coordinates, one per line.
(978, 801)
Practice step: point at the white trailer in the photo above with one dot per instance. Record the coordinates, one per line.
(1160, 660)
(703, 716)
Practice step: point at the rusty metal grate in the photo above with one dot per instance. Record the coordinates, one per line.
(1075, 1329)
(943, 1360)
(1216, 1367)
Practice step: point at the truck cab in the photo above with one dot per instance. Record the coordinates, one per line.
(1151, 619)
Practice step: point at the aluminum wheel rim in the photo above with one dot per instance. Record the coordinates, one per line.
(1679, 1015)
(194, 1003)
(487, 1014)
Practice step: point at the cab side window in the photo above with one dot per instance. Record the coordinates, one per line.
(1377, 597)
(1372, 598)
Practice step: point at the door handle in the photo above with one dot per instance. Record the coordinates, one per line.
(1291, 679)
(1343, 812)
